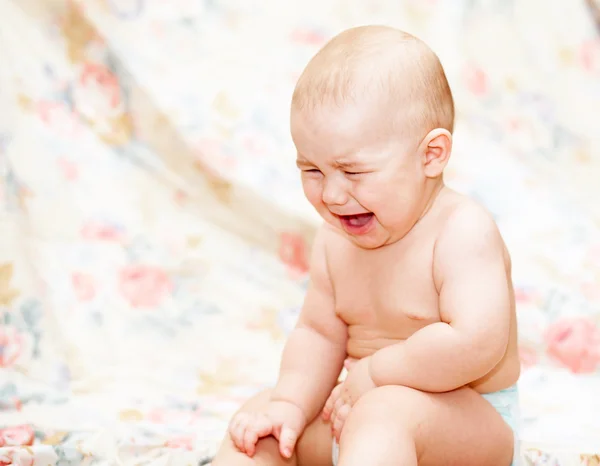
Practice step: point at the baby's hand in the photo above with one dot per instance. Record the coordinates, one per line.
(336, 411)
(284, 421)
(346, 394)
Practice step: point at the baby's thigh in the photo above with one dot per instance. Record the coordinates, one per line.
(455, 428)
(315, 446)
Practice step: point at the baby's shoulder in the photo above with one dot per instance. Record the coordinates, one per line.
(469, 235)
(466, 212)
(467, 225)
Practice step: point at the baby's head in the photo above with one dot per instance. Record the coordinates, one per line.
(372, 119)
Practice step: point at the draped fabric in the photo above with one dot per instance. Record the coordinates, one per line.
(154, 238)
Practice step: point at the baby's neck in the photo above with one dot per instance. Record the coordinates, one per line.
(436, 188)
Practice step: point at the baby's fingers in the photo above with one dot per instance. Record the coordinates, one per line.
(237, 430)
(328, 408)
(259, 429)
(287, 441)
(338, 403)
(340, 419)
(250, 440)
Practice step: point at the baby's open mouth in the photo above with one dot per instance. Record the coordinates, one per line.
(357, 224)
(358, 220)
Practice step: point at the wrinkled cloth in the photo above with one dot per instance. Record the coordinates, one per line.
(154, 238)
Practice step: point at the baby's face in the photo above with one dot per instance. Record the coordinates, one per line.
(361, 178)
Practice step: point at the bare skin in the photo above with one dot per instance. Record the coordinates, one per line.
(392, 292)
(444, 435)
(367, 301)
(409, 280)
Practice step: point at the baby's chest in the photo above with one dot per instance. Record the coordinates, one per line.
(380, 289)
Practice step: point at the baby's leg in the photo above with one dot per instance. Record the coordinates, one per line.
(312, 449)
(399, 425)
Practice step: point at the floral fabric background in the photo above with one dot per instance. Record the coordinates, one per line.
(154, 238)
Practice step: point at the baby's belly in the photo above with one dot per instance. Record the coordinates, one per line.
(364, 341)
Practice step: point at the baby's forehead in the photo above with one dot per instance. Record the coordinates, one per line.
(328, 124)
(352, 132)
(350, 152)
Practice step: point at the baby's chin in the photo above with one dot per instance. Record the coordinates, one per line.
(367, 243)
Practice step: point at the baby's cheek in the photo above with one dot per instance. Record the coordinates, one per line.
(313, 192)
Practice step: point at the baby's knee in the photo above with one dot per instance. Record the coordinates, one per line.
(267, 454)
(381, 399)
(382, 417)
(401, 406)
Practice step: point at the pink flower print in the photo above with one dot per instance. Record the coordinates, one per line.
(17, 456)
(83, 286)
(93, 230)
(11, 346)
(293, 252)
(157, 415)
(16, 436)
(523, 295)
(69, 169)
(59, 116)
(144, 285)
(575, 343)
(174, 416)
(476, 81)
(590, 56)
(180, 197)
(7, 458)
(186, 443)
(308, 37)
(98, 78)
(97, 97)
(528, 356)
(514, 124)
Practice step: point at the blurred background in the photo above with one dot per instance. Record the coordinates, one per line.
(154, 236)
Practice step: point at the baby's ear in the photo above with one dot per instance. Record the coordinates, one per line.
(436, 148)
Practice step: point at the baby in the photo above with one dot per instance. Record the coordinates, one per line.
(410, 281)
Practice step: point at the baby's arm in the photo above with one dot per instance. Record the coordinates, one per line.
(314, 353)
(474, 288)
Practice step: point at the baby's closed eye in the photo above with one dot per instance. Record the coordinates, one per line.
(355, 174)
(311, 171)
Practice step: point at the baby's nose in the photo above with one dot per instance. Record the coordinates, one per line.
(334, 193)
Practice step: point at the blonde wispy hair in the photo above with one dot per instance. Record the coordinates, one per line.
(379, 62)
